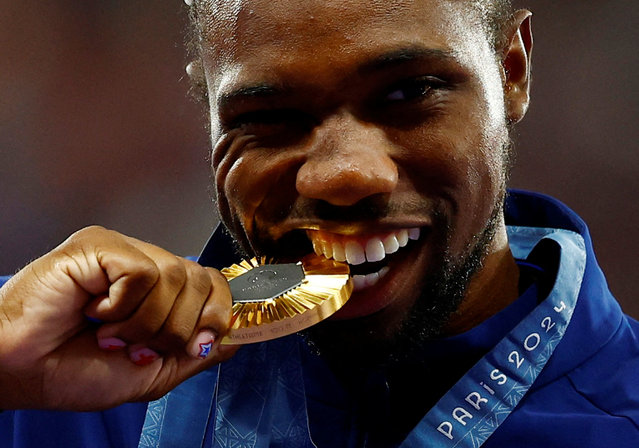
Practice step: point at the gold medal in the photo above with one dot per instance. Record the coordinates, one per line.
(274, 300)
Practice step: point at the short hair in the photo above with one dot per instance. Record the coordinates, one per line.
(493, 14)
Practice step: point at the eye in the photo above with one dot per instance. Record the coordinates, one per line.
(267, 118)
(413, 89)
(273, 127)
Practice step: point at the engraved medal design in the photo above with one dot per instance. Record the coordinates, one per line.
(273, 300)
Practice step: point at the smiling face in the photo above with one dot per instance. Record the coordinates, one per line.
(370, 131)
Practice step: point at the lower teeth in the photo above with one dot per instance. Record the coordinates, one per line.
(368, 280)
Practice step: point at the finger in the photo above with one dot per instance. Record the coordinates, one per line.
(181, 323)
(215, 318)
(105, 264)
(152, 313)
(142, 355)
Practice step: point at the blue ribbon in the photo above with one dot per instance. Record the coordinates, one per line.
(269, 377)
(485, 396)
(180, 418)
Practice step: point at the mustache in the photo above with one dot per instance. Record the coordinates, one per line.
(368, 209)
(275, 239)
(283, 230)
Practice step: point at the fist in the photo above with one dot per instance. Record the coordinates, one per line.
(105, 319)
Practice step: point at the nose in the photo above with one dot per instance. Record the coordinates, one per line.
(347, 161)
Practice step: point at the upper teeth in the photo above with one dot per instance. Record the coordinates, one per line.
(356, 250)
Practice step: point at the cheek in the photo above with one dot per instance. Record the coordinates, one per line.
(250, 183)
(458, 159)
(442, 159)
(240, 186)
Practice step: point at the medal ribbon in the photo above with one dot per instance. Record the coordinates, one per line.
(259, 401)
(485, 396)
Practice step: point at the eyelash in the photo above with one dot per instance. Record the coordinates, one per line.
(414, 89)
(270, 120)
(421, 87)
(263, 117)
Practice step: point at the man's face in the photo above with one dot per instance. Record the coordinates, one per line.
(374, 130)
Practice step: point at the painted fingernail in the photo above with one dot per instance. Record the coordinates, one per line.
(143, 356)
(111, 344)
(203, 344)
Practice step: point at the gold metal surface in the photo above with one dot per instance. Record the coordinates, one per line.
(325, 289)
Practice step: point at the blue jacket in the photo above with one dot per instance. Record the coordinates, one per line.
(586, 396)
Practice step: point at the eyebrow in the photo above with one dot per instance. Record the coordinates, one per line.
(246, 93)
(407, 55)
(395, 58)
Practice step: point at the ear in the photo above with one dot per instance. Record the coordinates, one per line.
(516, 58)
(195, 71)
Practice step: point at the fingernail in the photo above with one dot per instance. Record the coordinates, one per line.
(143, 356)
(203, 344)
(111, 344)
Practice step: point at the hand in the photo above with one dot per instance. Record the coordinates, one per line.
(158, 313)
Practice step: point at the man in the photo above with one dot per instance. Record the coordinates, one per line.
(350, 128)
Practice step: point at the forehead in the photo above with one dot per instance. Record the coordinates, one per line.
(246, 39)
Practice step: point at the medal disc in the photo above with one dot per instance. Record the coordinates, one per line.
(271, 300)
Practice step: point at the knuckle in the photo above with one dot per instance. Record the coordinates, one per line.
(92, 233)
(199, 278)
(145, 275)
(82, 238)
(217, 318)
(173, 271)
(222, 292)
(89, 231)
(93, 229)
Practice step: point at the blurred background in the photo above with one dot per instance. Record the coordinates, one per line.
(96, 126)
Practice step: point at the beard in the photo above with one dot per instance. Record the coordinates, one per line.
(355, 344)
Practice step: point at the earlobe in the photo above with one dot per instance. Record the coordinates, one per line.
(516, 62)
(195, 70)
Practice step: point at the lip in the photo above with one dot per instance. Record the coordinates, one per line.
(359, 229)
(380, 274)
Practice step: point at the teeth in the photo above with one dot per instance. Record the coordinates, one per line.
(402, 238)
(351, 250)
(317, 248)
(365, 281)
(371, 278)
(338, 252)
(354, 253)
(328, 250)
(391, 245)
(359, 282)
(375, 250)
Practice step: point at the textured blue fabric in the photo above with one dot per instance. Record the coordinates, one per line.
(587, 395)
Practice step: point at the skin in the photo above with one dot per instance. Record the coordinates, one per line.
(50, 357)
(346, 160)
(360, 119)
